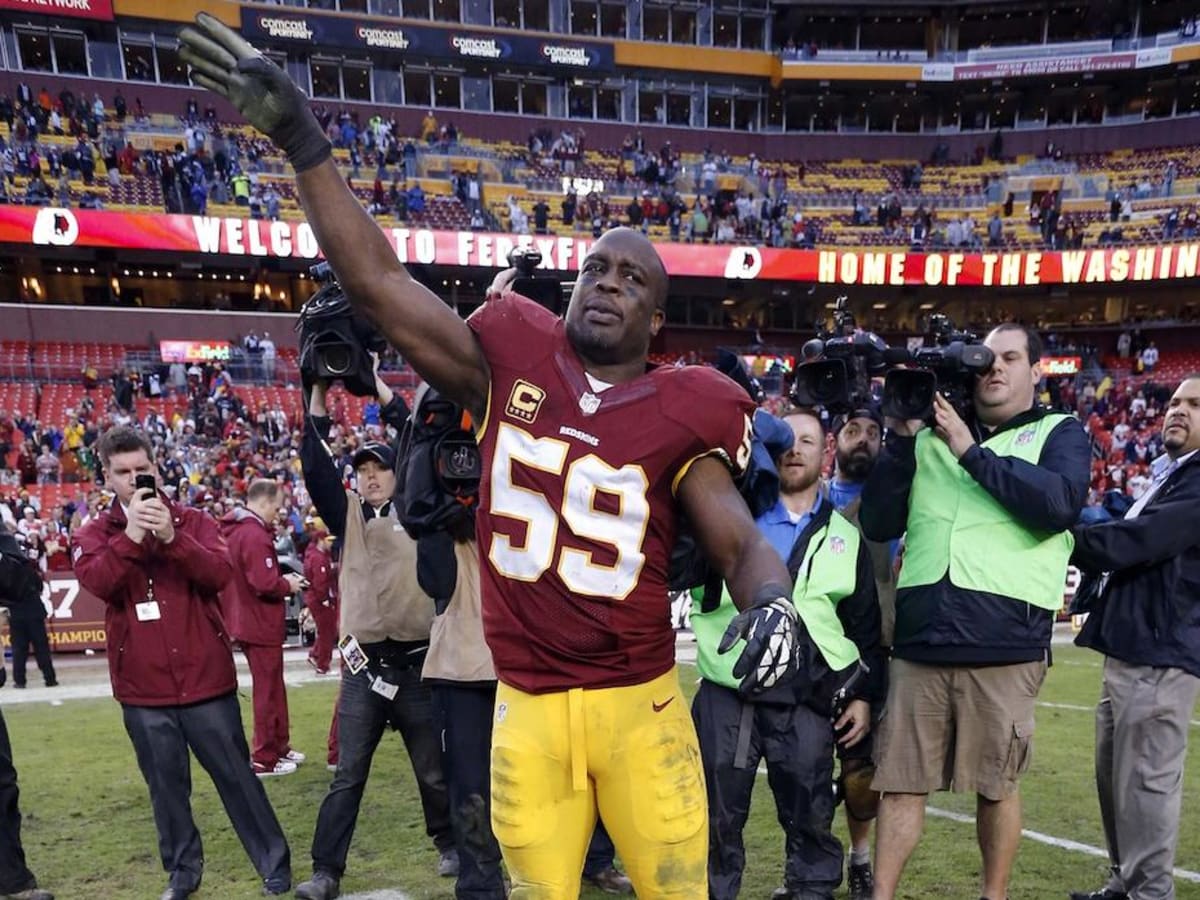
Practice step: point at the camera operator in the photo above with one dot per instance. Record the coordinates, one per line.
(158, 567)
(791, 726)
(858, 438)
(1146, 622)
(987, 510)
(27, 623)
(384, 621)
(20, 586)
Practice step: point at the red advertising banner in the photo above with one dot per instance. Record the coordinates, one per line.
(81, 9)
(233, 238)
(76, 615)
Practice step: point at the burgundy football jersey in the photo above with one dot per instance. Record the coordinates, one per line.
(577, 514)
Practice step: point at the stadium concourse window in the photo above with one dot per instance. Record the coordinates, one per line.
(447, 11)
(418, 89)
(720, 112)
(656, 23)
(415, 9)
(388, 85)
(533, 15)
(57, 51)
(447, 91)
(384, 7)
(608, 104)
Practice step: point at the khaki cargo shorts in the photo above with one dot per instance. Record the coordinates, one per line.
(959, 728)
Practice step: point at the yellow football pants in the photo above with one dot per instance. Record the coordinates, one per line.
(630, 752)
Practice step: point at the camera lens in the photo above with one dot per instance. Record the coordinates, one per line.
(336, 359)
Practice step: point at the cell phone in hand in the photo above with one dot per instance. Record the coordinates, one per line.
(145, 483)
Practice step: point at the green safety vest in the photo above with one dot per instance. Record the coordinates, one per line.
(827, 575)
(956, 526)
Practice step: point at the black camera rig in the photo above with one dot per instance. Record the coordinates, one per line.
(335, 342)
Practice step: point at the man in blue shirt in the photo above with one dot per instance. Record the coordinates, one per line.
(789, 727)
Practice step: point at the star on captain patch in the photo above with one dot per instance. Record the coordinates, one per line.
(837, 544)
(589, 403)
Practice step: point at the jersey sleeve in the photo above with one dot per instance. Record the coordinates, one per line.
(716, 412)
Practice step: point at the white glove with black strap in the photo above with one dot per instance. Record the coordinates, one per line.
(770, 628)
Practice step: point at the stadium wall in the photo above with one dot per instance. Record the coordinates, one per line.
(84, 324)
(797, 146)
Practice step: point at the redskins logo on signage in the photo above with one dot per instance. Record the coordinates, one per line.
(55, 227)
(743, 263)
(525, 401)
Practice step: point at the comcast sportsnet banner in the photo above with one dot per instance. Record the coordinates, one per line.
(83, 9)
(245, 238)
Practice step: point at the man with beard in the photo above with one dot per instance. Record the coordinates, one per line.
(791, 726)
(858, 436)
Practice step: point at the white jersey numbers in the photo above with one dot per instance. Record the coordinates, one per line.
(600, 504)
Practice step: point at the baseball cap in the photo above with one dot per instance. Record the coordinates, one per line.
(376, 450)
(859, 412)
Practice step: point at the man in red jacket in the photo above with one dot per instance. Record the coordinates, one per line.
(254, 606)
(158, 568)
(321, 596)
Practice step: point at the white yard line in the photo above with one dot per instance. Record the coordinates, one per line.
(1089, 709)
(1052, 841)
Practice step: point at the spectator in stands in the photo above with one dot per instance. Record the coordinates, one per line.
(429, 128)
(158, 567)
(969, 639)
(416, 199)
(1143, 622)
(541, 216)
(518, 219)
(49, 468)
(1149, 358)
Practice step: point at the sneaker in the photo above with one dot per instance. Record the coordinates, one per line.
(610, 881)
(1102, 894)
(860, 881)
(448, 863)
(294, 756)
(33, 893)
(332, 767)
(322, 886)
(283, 767)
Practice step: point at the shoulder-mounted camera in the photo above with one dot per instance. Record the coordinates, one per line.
(335, 342)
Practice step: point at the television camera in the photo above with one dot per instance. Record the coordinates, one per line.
(335, 342)
(841, 363)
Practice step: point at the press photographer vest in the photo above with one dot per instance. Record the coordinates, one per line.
(457, 649)
(378, 581)
(956, 526)
(828, 574)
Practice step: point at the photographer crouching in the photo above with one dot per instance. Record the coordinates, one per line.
(987, 507)
(385, 621)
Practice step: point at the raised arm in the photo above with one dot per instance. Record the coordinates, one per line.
(425, 330)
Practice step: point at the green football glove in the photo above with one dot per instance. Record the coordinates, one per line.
(226, 64)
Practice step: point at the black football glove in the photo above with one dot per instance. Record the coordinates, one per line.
(770, 627)
(226, 64)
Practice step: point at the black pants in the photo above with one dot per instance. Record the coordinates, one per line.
(463, 713)
(24, 632)
(797, 745)
(162, 736)
(14, 874)
(362, 717)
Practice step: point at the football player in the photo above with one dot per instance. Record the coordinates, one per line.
(590, 457)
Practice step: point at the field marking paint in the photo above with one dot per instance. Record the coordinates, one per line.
(1039, 837)
(1052, 841)
(1195, 723)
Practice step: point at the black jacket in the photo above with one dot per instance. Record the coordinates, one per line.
(945, 624)
(1149, 612)
(20, 581)
(321, 477)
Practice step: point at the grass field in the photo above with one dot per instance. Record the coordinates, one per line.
(88, 831)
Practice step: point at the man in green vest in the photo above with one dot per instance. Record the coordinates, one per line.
(791, 726)
(987, 507)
